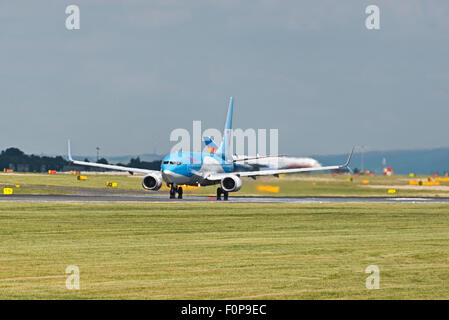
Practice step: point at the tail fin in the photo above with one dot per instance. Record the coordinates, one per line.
(224, 149)
(210, 144)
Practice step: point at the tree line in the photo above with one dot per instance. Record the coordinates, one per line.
(17, 160)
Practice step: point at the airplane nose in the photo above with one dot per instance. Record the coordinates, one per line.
(167, 174)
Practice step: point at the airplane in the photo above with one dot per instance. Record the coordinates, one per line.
(203, 168)
(280, 162)
(267, 162)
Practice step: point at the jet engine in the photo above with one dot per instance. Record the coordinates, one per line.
(152, 182)
(231, 183)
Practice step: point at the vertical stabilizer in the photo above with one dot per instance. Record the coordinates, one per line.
(224, 149)
(210, 144)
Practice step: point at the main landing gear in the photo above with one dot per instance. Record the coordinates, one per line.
(175, 190)
(220, 192)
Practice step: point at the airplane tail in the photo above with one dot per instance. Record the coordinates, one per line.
(210, 144)
(224, 149)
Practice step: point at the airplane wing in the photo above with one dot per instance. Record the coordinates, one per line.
(107, 166)
(254, 158)
(219, 176)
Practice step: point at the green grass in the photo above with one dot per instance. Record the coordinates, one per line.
(66, 180)
(224, 250)
(291, 185)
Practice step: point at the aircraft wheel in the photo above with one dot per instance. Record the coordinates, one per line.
(225, 195)
(172, 192)
(219, 192)
(180, 193)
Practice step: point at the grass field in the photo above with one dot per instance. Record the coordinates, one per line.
(291, 185)
(224, 250)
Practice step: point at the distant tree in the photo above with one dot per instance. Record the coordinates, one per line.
(137, 163)
(35, 163)
(12, 152)
(103, 161)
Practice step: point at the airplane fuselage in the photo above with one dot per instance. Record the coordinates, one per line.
(188, 168)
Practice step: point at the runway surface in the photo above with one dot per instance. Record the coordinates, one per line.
(163, 198)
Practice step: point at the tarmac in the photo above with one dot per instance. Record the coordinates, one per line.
(126, 198)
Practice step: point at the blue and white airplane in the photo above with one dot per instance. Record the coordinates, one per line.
(203, 168)
(268, 162)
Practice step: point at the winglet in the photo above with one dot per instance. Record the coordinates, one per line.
(349, 159)
(69, 151)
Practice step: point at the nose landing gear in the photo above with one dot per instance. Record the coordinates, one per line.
(175, 190)
(220, 191)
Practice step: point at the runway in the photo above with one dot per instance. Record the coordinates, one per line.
(107, 198)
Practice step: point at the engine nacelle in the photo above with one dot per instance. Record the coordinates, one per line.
(231, 183)
(152, 182)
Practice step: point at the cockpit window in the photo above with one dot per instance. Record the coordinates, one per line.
(172, 162)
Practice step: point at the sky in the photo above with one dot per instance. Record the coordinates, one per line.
(136, 70)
